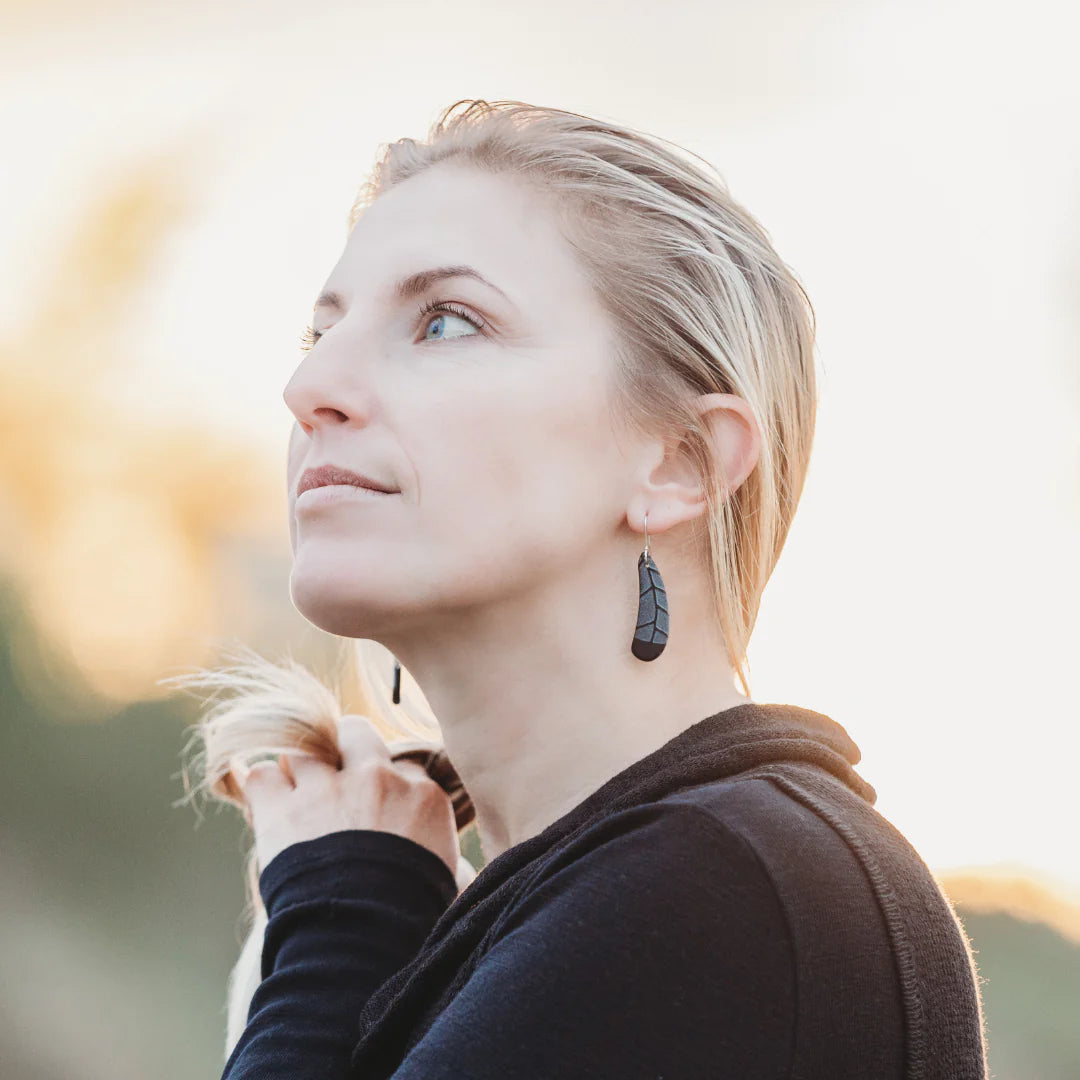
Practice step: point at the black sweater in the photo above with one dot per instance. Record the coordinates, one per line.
(729, 906)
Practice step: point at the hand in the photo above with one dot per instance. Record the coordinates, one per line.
(300, 797)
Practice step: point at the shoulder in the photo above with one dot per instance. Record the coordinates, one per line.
(671, 873)
(809, 861)
(658, 926)
(649, 944)
(847, 968)
(740, 829)
(738, 871)
(727, 900)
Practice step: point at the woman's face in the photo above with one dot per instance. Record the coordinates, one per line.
(498, 442)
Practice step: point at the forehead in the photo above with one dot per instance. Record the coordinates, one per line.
(440, 194)
(455, 215)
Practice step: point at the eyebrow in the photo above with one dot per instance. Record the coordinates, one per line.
(418, 283)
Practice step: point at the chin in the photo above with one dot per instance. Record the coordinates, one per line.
(335, 613)
(337, 605)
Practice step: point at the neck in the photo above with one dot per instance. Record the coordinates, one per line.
(539, 708)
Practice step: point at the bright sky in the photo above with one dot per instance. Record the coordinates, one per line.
(918, 164)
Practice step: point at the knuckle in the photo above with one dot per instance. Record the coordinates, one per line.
(376, 777)
(261, 771)
(359, 732)
(427, 792)
(418, 777)
(357, 722)
(372, 767)
(306, 767)
(264, 781)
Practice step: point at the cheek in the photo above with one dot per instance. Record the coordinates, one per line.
(513, 474)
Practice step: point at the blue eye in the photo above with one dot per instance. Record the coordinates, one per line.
(443, 307)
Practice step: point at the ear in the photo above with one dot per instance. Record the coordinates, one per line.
(673, 491)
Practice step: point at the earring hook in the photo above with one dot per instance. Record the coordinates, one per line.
(646, 534)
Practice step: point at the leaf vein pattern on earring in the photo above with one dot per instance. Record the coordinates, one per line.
(651, 632)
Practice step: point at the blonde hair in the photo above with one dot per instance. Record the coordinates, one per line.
(702, 303)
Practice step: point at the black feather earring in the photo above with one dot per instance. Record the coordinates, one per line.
(651, 633)
(397, 682)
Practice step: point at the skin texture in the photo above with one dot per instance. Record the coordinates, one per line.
(503, 574)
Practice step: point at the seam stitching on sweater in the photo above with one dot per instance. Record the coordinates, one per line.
(914, 1006)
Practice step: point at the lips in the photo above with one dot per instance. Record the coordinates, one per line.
(325, 475)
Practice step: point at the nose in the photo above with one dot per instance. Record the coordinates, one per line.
(319, 394)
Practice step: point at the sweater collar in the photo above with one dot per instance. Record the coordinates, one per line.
(722, 745)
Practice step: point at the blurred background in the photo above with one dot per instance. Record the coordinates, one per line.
(175, 182)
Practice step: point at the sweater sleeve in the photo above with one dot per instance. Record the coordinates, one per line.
(345, 911)
(656, 949)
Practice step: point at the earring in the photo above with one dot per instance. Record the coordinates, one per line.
(397, 682)
(651, 633)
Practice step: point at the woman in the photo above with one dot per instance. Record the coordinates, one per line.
(552, 427)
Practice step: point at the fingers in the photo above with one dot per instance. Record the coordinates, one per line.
(232, 787)
(359, 741)
(286, 768)
(265, 782)
(264, 785)
(260, 784)
(303, 769)
(412, 768)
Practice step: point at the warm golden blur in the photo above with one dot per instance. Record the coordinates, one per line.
(1015, 894)
(115, 526)
(176, 181)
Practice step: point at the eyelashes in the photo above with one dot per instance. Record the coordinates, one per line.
(308, 339)
(455, 309)
(430, 307)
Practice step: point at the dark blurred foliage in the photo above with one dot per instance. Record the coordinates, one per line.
(1031, 992)
(120, 911)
